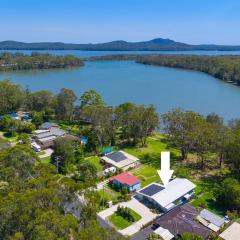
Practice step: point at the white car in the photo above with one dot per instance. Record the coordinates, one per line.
(36, 147)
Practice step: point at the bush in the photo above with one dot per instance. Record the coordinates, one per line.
(125, 213)
(228, 194)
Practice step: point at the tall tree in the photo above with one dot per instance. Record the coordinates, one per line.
(63, 154)
(233, 154)
(11, 97)
(102, 122)
(17, 162)
(90, 98)
(221, 136)
(40, 101)
(179, 127)
(136, 122)
(65, 104)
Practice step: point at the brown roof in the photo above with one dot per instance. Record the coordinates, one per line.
(71, 137)
(181, 220)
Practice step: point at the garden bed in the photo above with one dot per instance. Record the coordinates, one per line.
(120, 223)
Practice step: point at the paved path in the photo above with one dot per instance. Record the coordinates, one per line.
(48, 153)
(143, 211)
(102, 184)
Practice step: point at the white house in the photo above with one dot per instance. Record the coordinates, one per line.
(120, 160)
(169, 196)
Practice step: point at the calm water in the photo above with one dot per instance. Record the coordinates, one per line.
(121, 81)
(80, 53)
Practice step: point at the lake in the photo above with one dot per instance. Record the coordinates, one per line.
(122, 81)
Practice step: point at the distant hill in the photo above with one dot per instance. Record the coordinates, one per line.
(158, 44)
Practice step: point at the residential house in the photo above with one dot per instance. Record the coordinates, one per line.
(167, 197)
(45, 138)
(210, 220)
(181, 220)
(120, 160)
(48, 125)
(125, 180)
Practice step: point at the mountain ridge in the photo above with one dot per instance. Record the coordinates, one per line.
(156, 44)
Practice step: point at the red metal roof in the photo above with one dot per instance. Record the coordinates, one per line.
(125, 178)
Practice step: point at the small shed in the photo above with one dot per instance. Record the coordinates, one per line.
(125, 180)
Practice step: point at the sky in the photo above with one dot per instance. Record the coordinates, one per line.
(85, 21)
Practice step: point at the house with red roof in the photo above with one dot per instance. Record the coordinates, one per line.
(125, 180)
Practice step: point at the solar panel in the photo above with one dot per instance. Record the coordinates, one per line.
(152, 189)
(117, 156)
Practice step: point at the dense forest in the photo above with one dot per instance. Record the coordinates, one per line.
(226, 68)
(18, 61)
(157, 44)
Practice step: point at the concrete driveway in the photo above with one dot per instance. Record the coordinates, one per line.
(48, 153)
(142, 210)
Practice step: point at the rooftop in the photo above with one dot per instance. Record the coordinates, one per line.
(181, 220)
(174, 190)
(125, 178)
(48, 125)
(120, 159)
(56, 132)
(232, 232)
(212, 218)
(47, 139)
(151, 189)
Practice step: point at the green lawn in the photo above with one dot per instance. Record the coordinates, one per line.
(146, 173)
(121, 223)
(8, 138)
(151, 153)
(150, 157)
(45, 160)
(109, 193)
(40, 153)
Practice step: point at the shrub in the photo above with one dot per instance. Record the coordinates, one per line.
(125, 213)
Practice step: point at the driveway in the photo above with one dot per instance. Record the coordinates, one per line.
(142, 210)
(48, 153)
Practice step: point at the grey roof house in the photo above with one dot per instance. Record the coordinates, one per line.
(181, 220)
(210, 220)
(48, 125)
(169, 196)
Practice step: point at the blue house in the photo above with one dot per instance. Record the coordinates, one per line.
(125, 180)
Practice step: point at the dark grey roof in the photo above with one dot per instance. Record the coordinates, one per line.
(116, 156)
(212, 218)
(181, 220)
(48, 125)
(151, 189)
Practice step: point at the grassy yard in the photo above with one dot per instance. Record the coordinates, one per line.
(4, 144)
(150, 157)
(45, 160)
(206, 181)
(109, 193)
(146, 173)
(151, 153)
(8, 138)
(121, 223)
(40, 153)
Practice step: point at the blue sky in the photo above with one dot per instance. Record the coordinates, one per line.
(83, 21)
